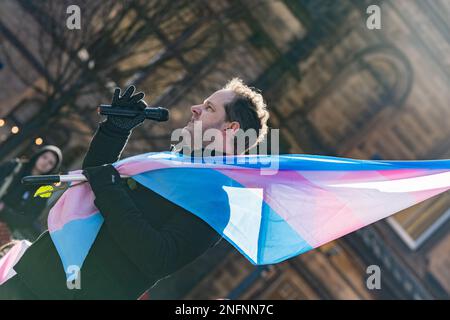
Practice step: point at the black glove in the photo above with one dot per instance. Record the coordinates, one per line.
(130, 102)
(102, 178)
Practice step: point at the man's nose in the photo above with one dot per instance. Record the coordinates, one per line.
(196, 110)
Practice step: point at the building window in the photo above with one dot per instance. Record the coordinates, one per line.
(417, 224)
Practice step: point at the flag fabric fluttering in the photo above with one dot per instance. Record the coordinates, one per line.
(11, 258)
(270, 208)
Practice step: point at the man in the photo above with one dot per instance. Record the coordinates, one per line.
(144, 237)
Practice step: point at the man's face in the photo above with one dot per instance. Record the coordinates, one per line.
(211, 112)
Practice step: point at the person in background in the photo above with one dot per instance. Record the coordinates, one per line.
(19, 209)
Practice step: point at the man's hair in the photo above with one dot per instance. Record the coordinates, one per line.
(248, 108)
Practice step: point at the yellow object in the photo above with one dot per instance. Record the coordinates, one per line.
(132, 183)
(44, 192)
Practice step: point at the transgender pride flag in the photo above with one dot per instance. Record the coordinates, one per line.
(269, 216)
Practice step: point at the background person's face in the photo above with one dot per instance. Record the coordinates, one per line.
(211, 112)
(45, 162)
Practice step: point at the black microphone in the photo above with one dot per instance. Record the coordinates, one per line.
(158, 114)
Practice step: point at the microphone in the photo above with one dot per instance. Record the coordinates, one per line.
(158, 114)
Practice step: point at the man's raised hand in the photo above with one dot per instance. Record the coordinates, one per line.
(128, 101)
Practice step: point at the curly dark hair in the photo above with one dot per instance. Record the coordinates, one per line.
(248, 108)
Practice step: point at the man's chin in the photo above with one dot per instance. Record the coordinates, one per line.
(189, 134)
(187, 129)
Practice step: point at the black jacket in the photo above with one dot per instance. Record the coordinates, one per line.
(22, 209)
(144, 238)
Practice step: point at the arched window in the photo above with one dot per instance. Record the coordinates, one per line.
(342, 110)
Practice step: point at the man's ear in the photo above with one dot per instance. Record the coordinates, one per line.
(234, 126)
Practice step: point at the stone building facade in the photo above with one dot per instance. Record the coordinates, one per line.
(333, 87)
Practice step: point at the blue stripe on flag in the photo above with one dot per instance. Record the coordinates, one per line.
(75, 239)
(230, 213)
(278, 240)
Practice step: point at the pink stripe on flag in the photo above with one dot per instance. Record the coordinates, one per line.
(295, 199)
(77, 202)
(8, 262)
